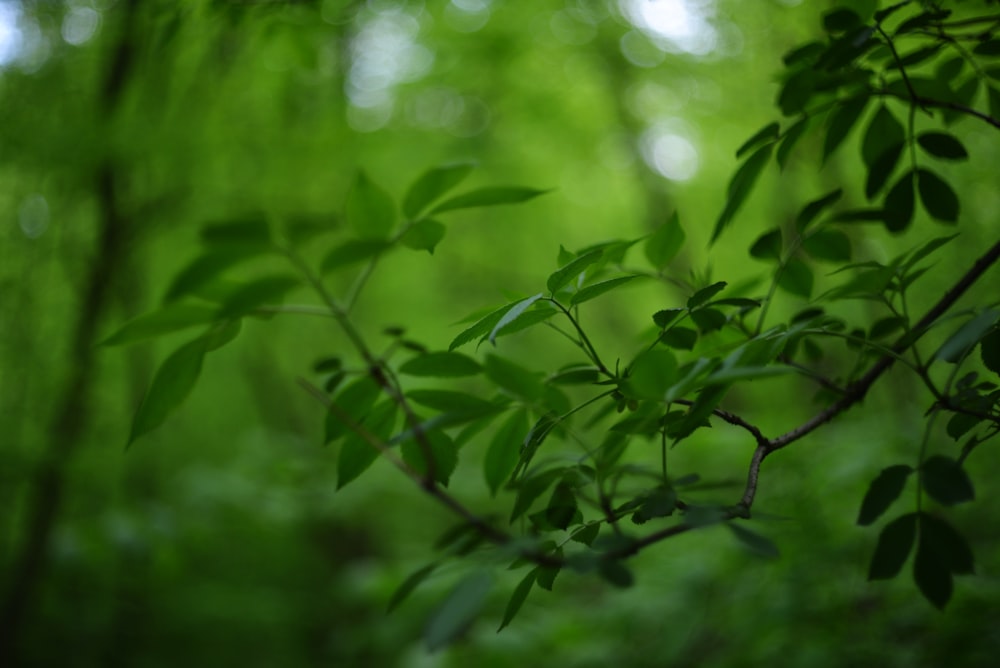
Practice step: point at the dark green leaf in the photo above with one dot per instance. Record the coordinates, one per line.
(840, 19)
(517, 598)
(423, 235)
(829, 245)
(481, 327)
(598, 289)
(741, 186)
(990, 351)
(708, 319)
(490, 196)
(797, 278)
(898, 210)
(938, 197)
(994, 99)
(926, 250)
(562, 507)
(441, 365)
(370, 211)
(547, 574)
(413, 581)
(816, 207)
(769, 132)
(705, 294)
(442, 450)
(171, 385)
(586, 534)
(918, 55)
(681, 338)
(767, 246)
(510, 316)
(571, 270)
(209, 266)
(885, 489)
(886, 326)
(947, 544)
(842, 120)
(666, 316)
(882, 169)
(534, 486)
(651, 374)
(946, 481)
(450, 400)
(788, 142)
(351, 252)
(458, 611)
(260, 292)
(960, 424)
(431, 185)
(894, 545)
(967, 336)
(990, 47)
(663, 244)
(884, 131)
(170, 318)
(860, 216)
(357, 453)
(239, 235)
(931, 573)
(354, 402)
(505, 450)
(575, 375)
(706, 402)
(616, 573)
(756, 543)
(942, 145)
(514, 378)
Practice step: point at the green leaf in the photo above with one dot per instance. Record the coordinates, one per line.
(598, 289)
(664, 243)
(441, 365)
(767, 246)
(562, 507)
(990, 47)
(616, 573)
(517, 598)
(938, 197)
(885, 489)
(431, 185)
(741, 186)
(884, 132)
(796, 278)
(356, 453)
(828, 245)
(708, 319)
(170, 318)
(239, 235)
(370, 210)
(769, 132)
(707, 401)
(355, 401)
(942, 145)
(450, 401)
(949, 547)
(967, 336)
(666, 316)
(514, 378)
(505, 450)
(423, 235)
(351, 252)
(946, 481)
(816, 207)
(575, 375)
(481, 327)
(260, 292)
(990, 351)
(840, 20)
(413, 581)
(894, 545)
(533, 486)
(705, 294)
(680, 338)
(455, 615)
(791, 138)
(927, 249)
(209, 266)
(842, 120)
(513, 314)
(755, 542)
(651, 374)
(443, 453)
(490, 196)
(898, 210)
(881, 170)
(171, 385)
(571, 270)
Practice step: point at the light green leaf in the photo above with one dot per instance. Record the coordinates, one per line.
(370, 210)
(171, 385)
(423, 235)
(505, 450)
(571, 270)
(511, 315)
(664, 243)
(490, 196)
(170, 318)
(431, 185)
(458, 611)
(598, 289)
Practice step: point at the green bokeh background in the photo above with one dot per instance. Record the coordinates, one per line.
(220, 539)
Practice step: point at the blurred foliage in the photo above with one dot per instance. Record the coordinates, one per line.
(222, 538)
